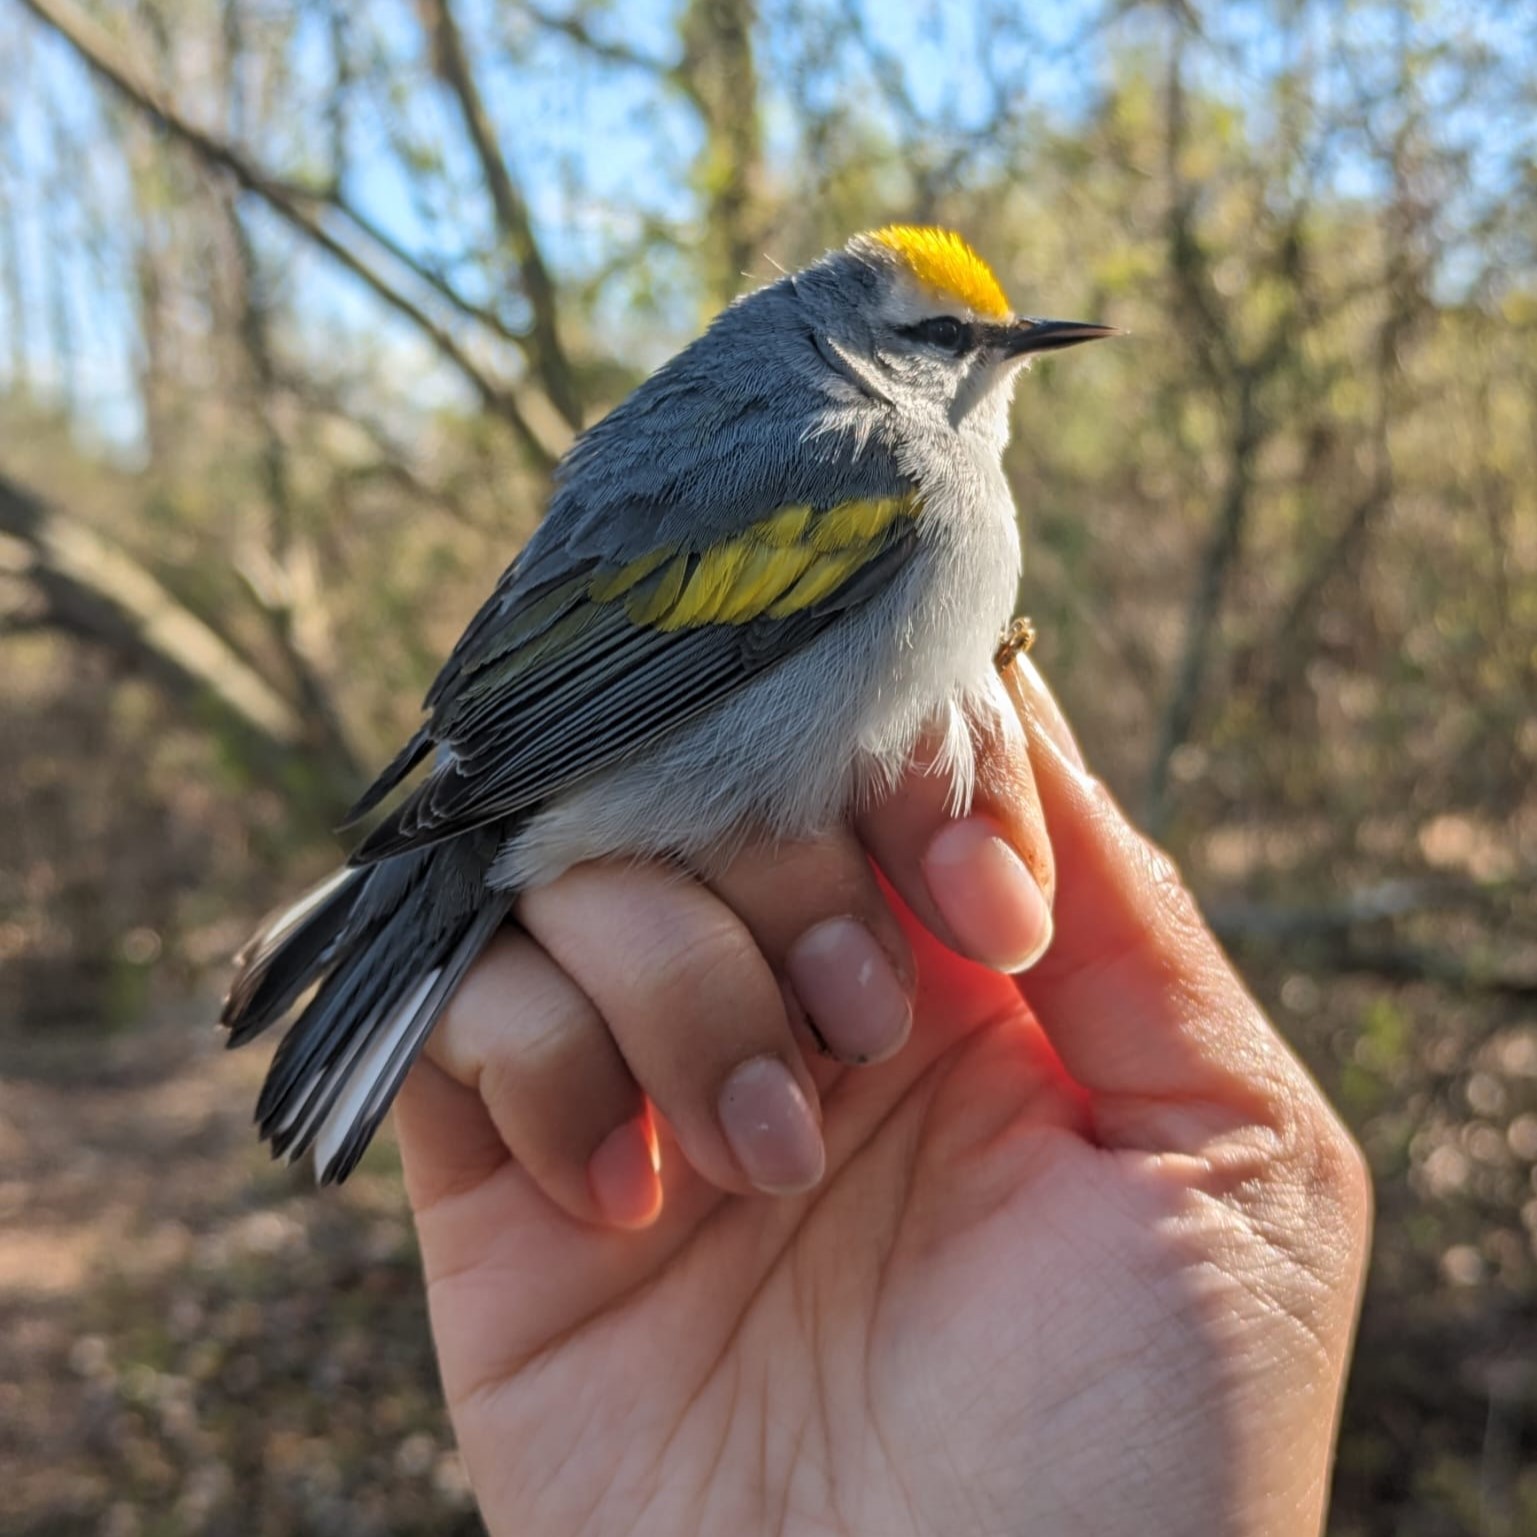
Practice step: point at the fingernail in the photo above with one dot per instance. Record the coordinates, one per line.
(771, 1128)
(987, 895)
(1042, 707)
(622, 1176)
(847, 985)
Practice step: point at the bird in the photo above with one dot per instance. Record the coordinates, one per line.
(759, 581)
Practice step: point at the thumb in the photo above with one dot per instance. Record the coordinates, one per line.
(1135, 994)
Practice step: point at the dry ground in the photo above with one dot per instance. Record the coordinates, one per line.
(191, 1339)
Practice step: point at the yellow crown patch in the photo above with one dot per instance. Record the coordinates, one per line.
(943, 263)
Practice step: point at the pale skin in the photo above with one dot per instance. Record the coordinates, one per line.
(1085, 1255)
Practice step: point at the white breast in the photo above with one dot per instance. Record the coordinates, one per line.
(972, 533)
(785, 756)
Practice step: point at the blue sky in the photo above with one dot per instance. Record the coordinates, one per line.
(600, 148)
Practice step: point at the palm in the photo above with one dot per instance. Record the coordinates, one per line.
(1011, 1304)
(940, 1332)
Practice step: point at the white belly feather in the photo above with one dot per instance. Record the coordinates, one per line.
(788, 755)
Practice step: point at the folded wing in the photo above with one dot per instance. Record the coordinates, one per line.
(555, 680)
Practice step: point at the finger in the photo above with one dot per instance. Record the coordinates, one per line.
(984, 882)
(819, 918)
(448, 1143)
(1135, 994)
(536, 1054)
(697, 1014)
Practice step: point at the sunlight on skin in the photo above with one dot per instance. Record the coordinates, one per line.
(1103, 1271)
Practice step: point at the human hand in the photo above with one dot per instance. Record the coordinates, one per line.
(1086, 1253)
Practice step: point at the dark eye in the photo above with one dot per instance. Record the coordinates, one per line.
(942, 331)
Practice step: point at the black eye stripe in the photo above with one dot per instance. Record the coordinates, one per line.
(943, 331)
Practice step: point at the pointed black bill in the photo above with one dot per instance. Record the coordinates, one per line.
(1021, 337)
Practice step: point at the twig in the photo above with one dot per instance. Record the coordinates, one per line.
(98, 52)
(547, 355)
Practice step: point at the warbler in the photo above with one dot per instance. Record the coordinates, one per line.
(759, 580)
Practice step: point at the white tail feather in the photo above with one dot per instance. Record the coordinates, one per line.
(363, 1073)
(275, 932)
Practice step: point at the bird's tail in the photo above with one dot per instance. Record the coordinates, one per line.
(387, 943)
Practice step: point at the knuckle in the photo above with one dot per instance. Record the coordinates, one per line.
(553, 1043)
(1162, 877)
(1339, 1171)
(1175, 915)
(1323, 1166)
(549, 1043)
(716, 960)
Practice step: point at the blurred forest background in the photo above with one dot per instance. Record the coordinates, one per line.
(300, 300)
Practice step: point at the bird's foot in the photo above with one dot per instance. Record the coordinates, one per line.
(1018, 638)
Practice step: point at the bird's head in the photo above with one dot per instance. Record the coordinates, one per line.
(912, 317)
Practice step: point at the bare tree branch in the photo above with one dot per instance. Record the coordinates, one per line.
(293, 606)
(1234, 376)
(1401, 285)
(1222, 551)
(98, 591)
(437, 281)
(718, 73)
(1345, 935)
(82, 585)
(308, 396)
(97, 50)
(578, 31)
(1381, 902)
(547, 355)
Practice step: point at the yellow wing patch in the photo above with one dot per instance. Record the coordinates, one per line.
(775, 567)
(944, 264)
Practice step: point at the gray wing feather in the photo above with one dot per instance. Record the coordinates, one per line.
(628, 687)
(697, 454)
